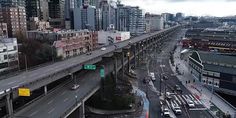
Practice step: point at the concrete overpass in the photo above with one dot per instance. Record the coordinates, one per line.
(43, 76)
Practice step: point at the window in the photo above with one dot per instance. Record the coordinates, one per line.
(3, 65)
(204, 81)
(5, 57)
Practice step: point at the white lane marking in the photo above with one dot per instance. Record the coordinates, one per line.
(198, 109)
(14, 87)
(196, 102)
(187, 97)
(177, 100)
(181, 99)
(33, 113)
(184, 98)
(50, 101)
(51, 110)
(8, 90)
(191, 97)
(66, 99)
(2, 92)
(11, 82)
(168, 104)
(21, 83)
(197, 99)
(63, 93)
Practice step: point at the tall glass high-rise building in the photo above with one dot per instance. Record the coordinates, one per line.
(37, 8)
(56, 13)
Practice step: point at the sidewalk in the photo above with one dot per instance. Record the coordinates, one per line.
(197, 89)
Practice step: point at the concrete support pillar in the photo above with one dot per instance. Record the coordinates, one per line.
(9, 105)
(128, 56)
(138, 53)
(142, 45)
(135, 58)
(123, 66)
(45, 89)
(115, 69)
(82, 110)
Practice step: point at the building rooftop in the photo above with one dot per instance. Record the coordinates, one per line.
(217, 58)
(221, 69)
(58, 31)
(217, 62)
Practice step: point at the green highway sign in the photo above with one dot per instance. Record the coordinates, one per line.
(102, 73)
(90, 67)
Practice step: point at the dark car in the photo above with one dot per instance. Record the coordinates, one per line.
(146, 80)
(177, 88)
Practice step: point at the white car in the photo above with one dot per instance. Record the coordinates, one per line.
(75, 86)
(166, 112)
(190, 103)
(175, 107)
(103, 48)
(168, 95)
(152, 75)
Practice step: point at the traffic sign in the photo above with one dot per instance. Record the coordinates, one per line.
(24, 92)
(102, 72)
(90, 67)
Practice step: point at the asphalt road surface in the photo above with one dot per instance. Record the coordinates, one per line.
(158, 62)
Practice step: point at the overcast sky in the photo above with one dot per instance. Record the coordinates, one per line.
(189, 7)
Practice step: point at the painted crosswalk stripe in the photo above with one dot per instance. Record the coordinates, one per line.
(197, 100)
(187, 97)
(168, 104)
(184, 98)
(193, 99)
(181, 99)
(198, 109)
(177, 100)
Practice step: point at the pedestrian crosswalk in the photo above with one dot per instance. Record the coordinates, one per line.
(182, 99)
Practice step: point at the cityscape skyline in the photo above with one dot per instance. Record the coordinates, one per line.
(218, 8)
